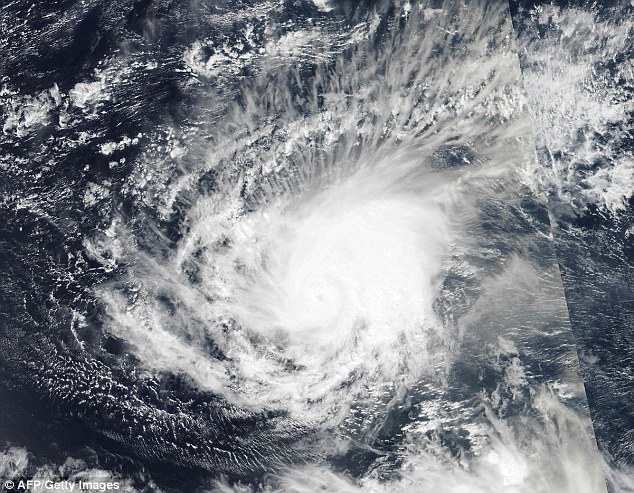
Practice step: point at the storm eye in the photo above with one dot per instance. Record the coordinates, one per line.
(364, 250)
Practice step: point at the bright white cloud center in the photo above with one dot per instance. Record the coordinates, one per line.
(352, 265)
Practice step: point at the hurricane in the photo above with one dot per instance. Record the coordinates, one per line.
(300, 246)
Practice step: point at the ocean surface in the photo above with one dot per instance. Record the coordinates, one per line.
(321, 245)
